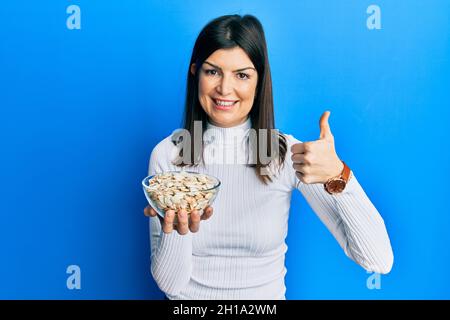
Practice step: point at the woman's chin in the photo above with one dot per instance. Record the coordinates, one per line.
(225, 121)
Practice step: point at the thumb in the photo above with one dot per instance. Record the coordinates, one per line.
(325, 131)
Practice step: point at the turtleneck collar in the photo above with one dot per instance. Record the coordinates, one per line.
(228, 135)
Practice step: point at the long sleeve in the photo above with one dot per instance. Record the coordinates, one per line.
(353, 221)
(171, 254)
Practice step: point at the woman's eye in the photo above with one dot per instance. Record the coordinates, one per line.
(243, 76)
(211, 72)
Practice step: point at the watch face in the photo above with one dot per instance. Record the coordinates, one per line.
(336, 186)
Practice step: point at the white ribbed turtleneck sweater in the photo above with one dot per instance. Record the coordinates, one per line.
(239, 253)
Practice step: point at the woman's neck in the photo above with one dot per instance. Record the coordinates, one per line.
(227, 134)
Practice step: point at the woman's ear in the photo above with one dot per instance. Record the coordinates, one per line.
(193, 69)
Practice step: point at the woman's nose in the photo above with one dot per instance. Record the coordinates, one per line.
(225, 86)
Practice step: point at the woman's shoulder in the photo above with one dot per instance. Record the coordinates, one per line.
(164, 150)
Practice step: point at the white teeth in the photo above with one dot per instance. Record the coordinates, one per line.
(223, 103)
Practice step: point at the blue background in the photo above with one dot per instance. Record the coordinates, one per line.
(81, 110)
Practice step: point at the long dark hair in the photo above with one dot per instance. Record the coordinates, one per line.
(228, 32)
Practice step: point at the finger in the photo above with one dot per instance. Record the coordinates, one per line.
(298, 148)
(194, 221)
(168, 221)
(207, 213)
(301, 168)
(325, 130)
(298, 158)
(299, 175)
(302, 177)
(152, 212)
(149, 212)
(183, 223)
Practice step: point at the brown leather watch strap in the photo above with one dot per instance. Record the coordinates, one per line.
(345, 172)
(337, 184)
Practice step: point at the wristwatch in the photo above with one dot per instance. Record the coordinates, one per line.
(337, 184)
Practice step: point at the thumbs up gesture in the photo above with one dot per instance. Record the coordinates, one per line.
(317, 161)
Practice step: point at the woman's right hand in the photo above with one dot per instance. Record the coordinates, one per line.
(184, 222)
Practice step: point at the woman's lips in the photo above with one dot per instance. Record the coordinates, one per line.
(224, 107)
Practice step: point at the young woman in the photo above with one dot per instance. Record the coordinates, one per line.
(239, 252)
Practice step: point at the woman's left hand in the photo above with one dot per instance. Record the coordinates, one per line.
(317, 161)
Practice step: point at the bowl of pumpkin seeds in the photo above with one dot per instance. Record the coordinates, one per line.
(175, 190)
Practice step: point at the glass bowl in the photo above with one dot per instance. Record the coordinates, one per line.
(180, 190)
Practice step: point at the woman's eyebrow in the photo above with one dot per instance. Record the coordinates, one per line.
(217, 67)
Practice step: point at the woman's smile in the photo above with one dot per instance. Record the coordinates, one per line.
(221, 104)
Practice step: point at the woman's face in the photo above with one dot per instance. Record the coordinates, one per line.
(227, 86)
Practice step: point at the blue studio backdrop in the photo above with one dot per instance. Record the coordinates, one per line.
(88, 88)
